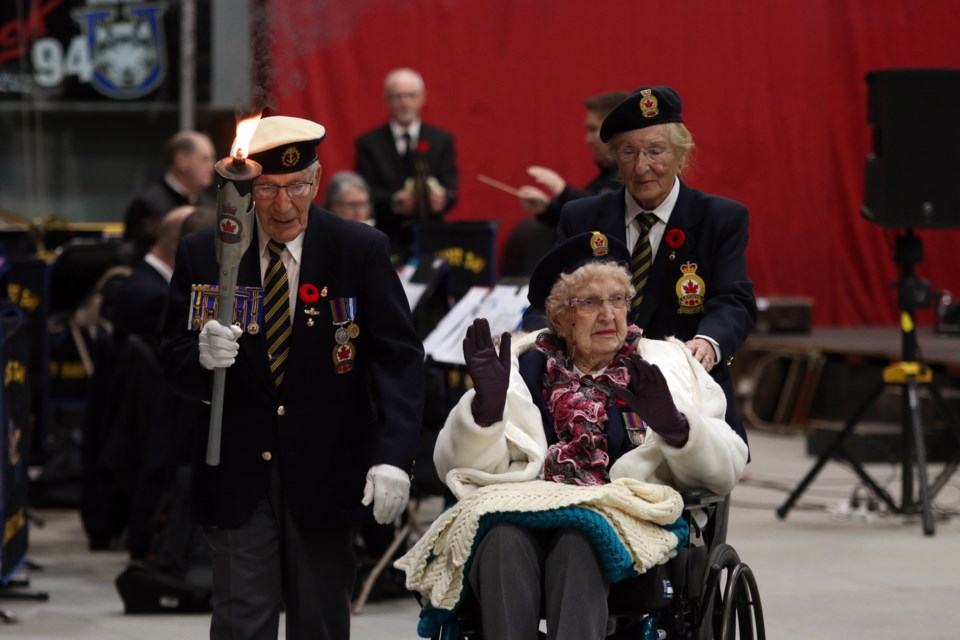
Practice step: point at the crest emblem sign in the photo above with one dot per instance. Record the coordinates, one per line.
(127, 48)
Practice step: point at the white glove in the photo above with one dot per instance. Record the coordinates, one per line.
(388, 487)
(218, 345)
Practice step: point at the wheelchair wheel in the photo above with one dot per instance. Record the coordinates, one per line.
(731, 605)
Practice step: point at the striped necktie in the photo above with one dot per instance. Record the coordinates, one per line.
(276, 312)
(641, 259)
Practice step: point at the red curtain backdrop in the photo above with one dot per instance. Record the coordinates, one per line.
(774, 93)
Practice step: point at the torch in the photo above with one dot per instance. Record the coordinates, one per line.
(235, 215)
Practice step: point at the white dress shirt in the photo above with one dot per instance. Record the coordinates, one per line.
(162, 267)
(398, 130)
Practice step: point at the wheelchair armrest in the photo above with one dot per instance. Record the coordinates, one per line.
(706, 513)
(700, 497)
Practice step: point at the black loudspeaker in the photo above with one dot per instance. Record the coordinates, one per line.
(912, 174)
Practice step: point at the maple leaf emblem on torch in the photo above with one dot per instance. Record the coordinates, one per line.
(229, 230)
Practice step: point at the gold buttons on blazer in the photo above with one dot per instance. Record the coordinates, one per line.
(266, 455)
(281, 410)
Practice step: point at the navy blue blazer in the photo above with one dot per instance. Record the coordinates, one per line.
(323, 428)
(143, 298)
(385, 171)
(716, 234)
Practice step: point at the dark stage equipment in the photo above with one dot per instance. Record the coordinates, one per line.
(910, 183)
(911, 176)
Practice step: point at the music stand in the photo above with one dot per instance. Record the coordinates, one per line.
(910, 375)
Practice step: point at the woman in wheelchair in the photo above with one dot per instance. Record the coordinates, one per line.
(566, 454)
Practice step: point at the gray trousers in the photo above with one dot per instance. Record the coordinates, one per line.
(516, 568)
(268, 564)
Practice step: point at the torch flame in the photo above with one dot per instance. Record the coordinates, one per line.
(245, 129)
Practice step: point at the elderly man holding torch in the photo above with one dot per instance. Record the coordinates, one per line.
(320, 329)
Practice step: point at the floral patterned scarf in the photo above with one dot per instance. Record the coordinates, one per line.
(578, 405)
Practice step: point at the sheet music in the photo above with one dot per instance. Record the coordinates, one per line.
(502, 306)
(414, 290)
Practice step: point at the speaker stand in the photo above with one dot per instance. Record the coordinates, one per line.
(910, 375)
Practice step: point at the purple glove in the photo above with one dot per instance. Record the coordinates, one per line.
(490, 372)
(649, 396)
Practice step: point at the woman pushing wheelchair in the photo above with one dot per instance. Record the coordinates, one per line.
(566, 455)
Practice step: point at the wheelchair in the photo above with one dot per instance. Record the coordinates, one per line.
(704, 593)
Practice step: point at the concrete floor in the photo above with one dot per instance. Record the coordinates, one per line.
(822, 574)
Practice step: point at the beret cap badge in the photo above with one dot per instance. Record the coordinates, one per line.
(599, 244)
(645, 107)
(290, 157)
(649, 104)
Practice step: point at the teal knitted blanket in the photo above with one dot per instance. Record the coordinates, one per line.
(615, 558)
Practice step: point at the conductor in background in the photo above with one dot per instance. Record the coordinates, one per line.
(410, 165)
(323, 399)
(546, 204)
(189, 158)
(688, 248)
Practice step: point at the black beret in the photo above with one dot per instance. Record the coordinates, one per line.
(569, 256)
(282, 144)
(644, 107)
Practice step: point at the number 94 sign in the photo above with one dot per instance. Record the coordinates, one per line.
(121, 52)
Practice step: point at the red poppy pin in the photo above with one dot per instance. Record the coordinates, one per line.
(674, 239)
(423, 146)
(309, 293)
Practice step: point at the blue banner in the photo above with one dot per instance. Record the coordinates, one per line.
(14, 440)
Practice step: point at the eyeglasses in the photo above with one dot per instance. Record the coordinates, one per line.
(404, 95)
(593, 305)
(270, 191)
(653, 154)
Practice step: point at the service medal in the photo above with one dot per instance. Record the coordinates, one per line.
(343, 311)
(343, 357)
(636, 428)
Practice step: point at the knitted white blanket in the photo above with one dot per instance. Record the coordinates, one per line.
(636, 510)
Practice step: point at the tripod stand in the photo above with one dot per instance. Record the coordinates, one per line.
(910, 375)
